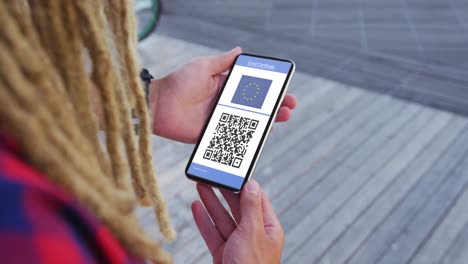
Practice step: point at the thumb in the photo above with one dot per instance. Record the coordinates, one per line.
(251, 206)
(222, 62)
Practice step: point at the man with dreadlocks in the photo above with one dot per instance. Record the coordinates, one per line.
(68, 69)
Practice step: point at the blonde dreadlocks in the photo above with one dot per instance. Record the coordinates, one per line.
(46, 104)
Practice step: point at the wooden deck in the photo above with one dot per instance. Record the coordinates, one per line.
(355, 176)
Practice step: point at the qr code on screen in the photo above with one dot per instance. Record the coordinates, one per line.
(231, 140)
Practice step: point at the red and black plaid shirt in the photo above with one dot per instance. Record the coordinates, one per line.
(40, 223)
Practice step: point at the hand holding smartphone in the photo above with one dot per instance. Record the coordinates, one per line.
(232, 140)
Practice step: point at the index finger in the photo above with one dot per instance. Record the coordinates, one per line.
(289, 101)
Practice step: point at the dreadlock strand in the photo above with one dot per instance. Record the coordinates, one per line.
(104, 78)
(20, 8)
(65, 51)
(132, 153)
(117, 9)
(113, 10)
(144, 139)
(122, 101)
(75, 77)
(82, 86)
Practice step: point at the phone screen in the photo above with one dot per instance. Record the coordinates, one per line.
(232, 140)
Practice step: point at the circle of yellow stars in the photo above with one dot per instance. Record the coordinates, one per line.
(254, 85)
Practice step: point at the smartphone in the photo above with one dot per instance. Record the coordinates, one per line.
(235, 133)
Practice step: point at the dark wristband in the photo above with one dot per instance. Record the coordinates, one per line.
(146, 77)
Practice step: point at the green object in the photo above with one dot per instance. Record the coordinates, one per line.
(148, 15)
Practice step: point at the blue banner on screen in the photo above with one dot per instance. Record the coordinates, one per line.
(264, 64)
(251, 91)
(215, 175)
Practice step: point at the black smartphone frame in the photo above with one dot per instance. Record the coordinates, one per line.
(265, 133)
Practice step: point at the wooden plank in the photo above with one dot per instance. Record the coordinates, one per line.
(391, 197)
(383, 236)
(421, 227)
(446, 231)
(457, 253)
(368, 184)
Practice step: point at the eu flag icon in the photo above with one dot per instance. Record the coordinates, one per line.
(251, 91)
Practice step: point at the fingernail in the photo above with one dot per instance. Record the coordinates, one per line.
(252, 187)
(233, 49)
